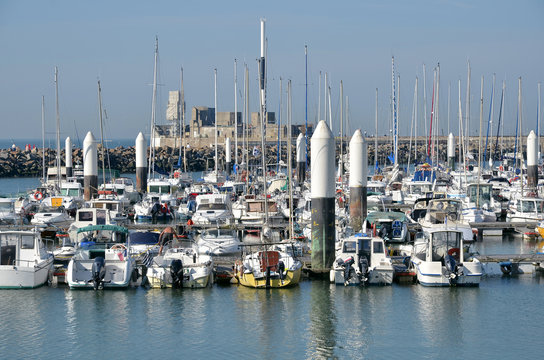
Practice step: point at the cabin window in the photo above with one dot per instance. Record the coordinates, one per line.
(349, 247)
(5, 206)
(377, 247)
(212, 207)
(85, 216)
(160, 189)
(27, 242)
(100, 217)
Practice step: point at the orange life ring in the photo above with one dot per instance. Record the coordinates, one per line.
(501, 168)
(164, 208)
(38, 195)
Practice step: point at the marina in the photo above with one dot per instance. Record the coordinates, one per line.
(242, 207)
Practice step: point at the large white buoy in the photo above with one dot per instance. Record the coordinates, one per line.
(90, 166)
(301, 158)
(358, 169)
(227, 155)
(451, 151)
(532, 163)
(68, 156)
(141, 163)
(323, 196)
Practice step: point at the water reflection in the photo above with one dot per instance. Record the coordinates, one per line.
(322, 324)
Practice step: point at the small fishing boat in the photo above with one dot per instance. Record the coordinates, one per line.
(102, 259)
(219, 242)
(24, 261)
(361, 259)
(440, 258)
(268, 269)
(51, 215)
(181, 267)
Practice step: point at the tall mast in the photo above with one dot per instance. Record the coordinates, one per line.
(437, 110)
(499, 125)
(101, 133)
(262, 99)
(467, 107)
(490, 122)
(151, 167)
(376, 136)
(430, 148)
(538, 121)
(480, 141)
(279, 125)
(182, 127)
(43, 139)
(235, 113)
(394, 104)
(425, 107)
(319, 99)
(416, 118)
(58, 125)
(397, 115)
(520, 131)
(306, 101)
(341, 162)
(462, 143)
(289, 159)
(216, 113)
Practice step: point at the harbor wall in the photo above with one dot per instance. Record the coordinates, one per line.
(21, 162)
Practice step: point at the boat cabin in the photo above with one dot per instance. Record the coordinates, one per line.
(440, 209)
(480, 194)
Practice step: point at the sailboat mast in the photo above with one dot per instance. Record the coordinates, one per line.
(376, 136)
(289, 160)
(235, 113)
(151, 167)
(397, 113)
(416, 96)
(248, 117)
(262, 99)
(58, 125)
(341, 162)
(279, 124)
(182, 127)
(480, 141)
(462, 144)
(394, 105)
(520, 133)
(467, 107)
(437, 110)
(306, 100)
(499, 126)
(43, 139)
(538, 121)
(490, 122)
(216, 113)
(101, 133)
(425, 107)
(430, 147)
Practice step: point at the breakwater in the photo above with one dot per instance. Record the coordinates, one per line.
(20, 162)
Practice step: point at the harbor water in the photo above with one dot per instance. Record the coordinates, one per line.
(500, 318)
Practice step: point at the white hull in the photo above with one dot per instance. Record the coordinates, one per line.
(118, 273)
(21, 277)
(434, 274)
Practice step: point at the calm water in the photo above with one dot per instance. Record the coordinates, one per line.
(502, 318)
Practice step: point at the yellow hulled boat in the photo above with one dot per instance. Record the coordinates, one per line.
(268, 269)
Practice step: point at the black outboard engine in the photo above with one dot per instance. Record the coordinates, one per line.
(176, 271)
(281, 269)
(347, 268)
(451, 267)
(363, 267)
(98, 273)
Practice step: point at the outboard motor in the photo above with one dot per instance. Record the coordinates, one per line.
(347, 268)
(176, 271)
(98, 273)
(451, 267)
(281, 269)
(363, 266)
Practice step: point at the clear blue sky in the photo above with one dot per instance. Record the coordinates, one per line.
(351, 40)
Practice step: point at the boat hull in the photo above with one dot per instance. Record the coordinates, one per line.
(22, 277)
(248, 279)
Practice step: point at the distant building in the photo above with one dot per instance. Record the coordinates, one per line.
(201, 128)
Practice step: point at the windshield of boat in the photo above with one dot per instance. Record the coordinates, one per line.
(215, 233)
(211, 206)
(420, 189)
(159, 189)
(69, 192)
(443, 241)
(377, 189)
(531, 206)
(6, 206)
(447, 206)
(485, 194)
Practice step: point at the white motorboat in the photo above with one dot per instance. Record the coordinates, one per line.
(442, 212)
(526, 209)
(440, 259)
(219, 242)
(24, 261)
(102, 259)
(51, 215)
(8, 215)
(479, 206)
(362, 259)
(212, 209)
(251, 211)
(181, 267)
(158, 203)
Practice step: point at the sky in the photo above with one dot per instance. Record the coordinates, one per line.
(351, 41)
